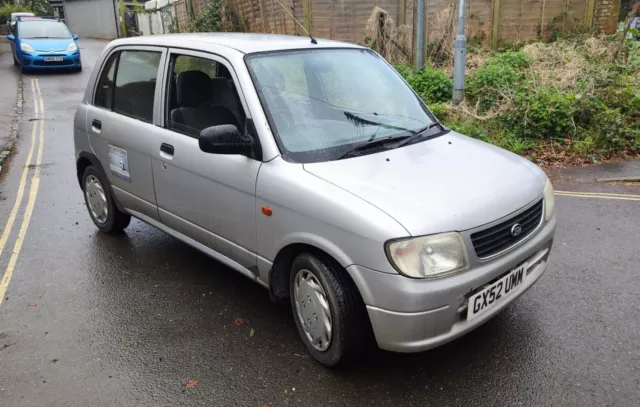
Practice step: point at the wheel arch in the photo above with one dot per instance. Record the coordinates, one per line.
(279, 273)
(87, 159)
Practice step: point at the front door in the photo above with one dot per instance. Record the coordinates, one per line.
(207, 197)
(120, 125)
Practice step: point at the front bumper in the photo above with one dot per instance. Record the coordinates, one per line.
(38, 61)
(409, 315)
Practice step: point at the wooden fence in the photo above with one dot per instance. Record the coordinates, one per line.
(490, 21)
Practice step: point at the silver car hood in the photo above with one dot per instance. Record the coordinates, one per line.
(449, 183)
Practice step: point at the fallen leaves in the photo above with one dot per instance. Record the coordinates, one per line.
(32, 304)
(252, 332)
(239, 321)
(190, 384)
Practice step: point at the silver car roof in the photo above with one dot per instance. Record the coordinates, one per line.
(243, 42)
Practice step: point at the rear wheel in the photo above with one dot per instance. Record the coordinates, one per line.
(329, 313)
(103, 211)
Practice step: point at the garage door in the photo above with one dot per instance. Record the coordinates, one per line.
(91, 18)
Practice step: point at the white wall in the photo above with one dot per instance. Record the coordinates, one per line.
(92, 18)
(155, 21)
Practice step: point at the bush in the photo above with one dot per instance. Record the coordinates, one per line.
(500, 78)
(218, 16)
(576, 92)
(405, 70)
(432, 85)
(545, 113)
(510, 59)
(439, 110)
(7, 9)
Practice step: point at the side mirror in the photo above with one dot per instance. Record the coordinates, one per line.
(224, 139)
(75, 37)
(11, 37)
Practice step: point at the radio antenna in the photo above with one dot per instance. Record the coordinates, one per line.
(313, 40)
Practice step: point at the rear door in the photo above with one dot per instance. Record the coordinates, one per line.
(120, 123)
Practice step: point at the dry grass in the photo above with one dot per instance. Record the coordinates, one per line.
(560, 64)
(383, 36)
(441, 34)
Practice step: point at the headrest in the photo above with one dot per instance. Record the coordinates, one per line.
(194, 88)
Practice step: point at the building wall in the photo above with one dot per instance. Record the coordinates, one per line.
(605, 15)
(91, 18)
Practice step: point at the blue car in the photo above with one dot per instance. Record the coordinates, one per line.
(44, 43)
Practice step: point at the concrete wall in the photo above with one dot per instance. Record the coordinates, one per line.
(91, 18)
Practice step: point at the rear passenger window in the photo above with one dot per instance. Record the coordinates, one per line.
(136, 84)
(104, 93)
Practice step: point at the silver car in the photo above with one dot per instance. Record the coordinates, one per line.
(315, 170)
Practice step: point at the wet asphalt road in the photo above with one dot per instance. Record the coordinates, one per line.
(96, 320)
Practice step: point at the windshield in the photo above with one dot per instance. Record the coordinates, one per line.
(43, 29)
(323, 102)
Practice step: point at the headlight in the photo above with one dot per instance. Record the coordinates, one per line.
(26, 47)
(72, 47)
(549, 200)
(428, 256)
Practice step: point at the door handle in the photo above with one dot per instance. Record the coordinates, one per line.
(166, 151)
(96, 125)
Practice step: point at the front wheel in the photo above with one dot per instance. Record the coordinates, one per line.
(103, 211)
(328, 310)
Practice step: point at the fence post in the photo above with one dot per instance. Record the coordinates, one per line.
(402, 12)
(495, 24)
(591, 5)
(420, 33)
(263, 16)
(307, 17)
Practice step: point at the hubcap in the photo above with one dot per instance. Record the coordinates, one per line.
(96, 199)
(313, 309)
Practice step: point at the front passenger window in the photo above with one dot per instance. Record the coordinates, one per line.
(198, 98)
(136, 84)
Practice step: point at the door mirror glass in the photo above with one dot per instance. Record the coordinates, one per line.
(11, 37)
(224, 139)
(75, 37)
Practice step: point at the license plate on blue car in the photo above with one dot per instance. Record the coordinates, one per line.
(52, 59)
(496, 292)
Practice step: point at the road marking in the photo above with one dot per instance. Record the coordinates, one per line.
(23, 178)
(33, 192)
(599, 195)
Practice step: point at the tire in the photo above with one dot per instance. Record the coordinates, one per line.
(99, 197)
(15, 61)
(350, 326)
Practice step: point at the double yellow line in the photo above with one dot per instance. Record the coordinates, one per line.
(599, 195)
(33, 191)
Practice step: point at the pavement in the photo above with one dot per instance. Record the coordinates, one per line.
(142, 319)
(9, 80)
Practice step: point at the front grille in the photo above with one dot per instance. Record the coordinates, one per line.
(499, 237)
(53, 63)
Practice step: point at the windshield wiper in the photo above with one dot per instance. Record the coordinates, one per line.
(359, 121)
(366, 145)
(420, 133)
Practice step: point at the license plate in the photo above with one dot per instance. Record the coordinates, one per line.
(488, 297)
(51, 59)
